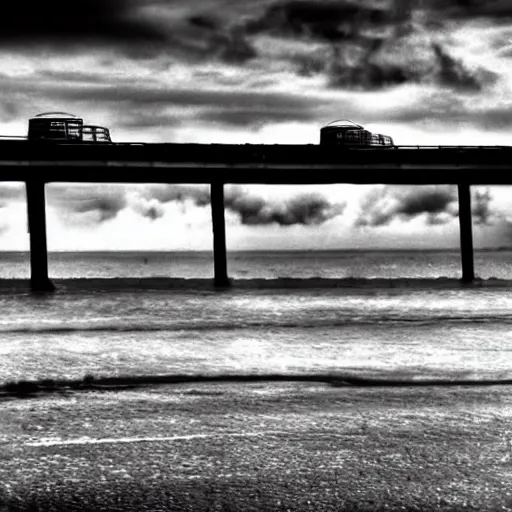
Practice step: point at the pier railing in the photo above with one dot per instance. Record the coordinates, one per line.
(218, 164)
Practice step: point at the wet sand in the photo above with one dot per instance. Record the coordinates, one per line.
(258, 446)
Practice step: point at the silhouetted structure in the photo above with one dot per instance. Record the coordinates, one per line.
(218, 164)
(219, 235)
(466, 232)
(347, 133)
(39, 280)
(64, 128)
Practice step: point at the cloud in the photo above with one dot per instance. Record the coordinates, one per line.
(101, 203)
(148, 201)
(252, 116)
(104, 202)
(380, 63)
(452, 72)
(61, 23)
(254, 210)
(482, 213)
(326, 20)
(369, 45)
(306, 209)
(227, 43)
(495, 10)
(445, 111)
(432, 201)
(365, 45)
(96, 204)
(150, 104)
(136, 28)
(383, 205)
(438, 203)
(336, 48)
(372, 45)
(199, 195)
(150, 208)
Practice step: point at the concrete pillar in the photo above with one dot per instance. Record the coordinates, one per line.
(39, 281)
(466, 233)
(221, 279)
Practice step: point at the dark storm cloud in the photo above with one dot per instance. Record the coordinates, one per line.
(435, 200)
(253, 210)
(106, 201)
(307, 209)
(151, 209)
(137, 28)
(495, 10)
(329, 20)
(438, 202)
(482, 213)
(452, 73)
(368, 46)
(339, 20)
(199, 195)
(28, 22)
(383, 205)
(203, 22)
(228, 43)
(149, 201)
(381, 63)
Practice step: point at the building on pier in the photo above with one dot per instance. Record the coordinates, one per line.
(348, 134)
(65, 128)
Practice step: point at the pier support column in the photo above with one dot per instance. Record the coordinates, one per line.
(221, 279)
(466, 233)
(39, 281)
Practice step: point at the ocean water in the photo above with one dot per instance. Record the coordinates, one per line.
(373, 327)
(266, 265)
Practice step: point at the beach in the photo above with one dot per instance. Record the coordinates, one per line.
(301, 326)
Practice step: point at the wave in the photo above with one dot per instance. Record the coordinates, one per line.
(165, 283)
(30, 388)
(63, 327)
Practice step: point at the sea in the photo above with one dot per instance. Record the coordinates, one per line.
(387, 314)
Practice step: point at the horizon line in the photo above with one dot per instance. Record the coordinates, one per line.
(203, 251)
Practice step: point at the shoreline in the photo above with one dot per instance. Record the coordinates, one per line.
(34, 388)
(169, 283)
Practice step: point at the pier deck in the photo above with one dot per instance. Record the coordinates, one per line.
(217, 164)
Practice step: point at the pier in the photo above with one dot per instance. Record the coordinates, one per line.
(37, 164)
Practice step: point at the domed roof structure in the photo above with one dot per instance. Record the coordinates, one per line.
(344, 123)
(55, 115)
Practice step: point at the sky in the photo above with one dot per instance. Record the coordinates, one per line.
(260, 71)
